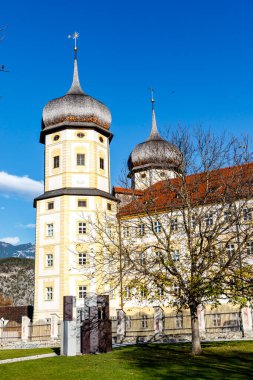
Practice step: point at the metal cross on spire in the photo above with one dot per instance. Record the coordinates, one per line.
(75, 37)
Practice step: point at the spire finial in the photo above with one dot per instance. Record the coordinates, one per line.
(75, 37)
(154, 134)
(75, 87)
(152, 97)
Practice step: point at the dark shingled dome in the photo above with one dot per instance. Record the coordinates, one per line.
(76, 107)
(155, 152)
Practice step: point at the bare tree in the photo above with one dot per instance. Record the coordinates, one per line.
(188, 240)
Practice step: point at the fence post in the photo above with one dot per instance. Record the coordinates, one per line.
(201, 319)
(246, 321)
(158, 320)
(54, 326)
(25, 328)
(121, 325)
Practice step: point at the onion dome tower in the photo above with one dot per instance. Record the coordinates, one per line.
(154, 159)
(75, 132)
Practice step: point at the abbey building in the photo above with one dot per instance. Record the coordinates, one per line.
(159, 243)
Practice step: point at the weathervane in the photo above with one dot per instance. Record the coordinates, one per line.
(75, 37)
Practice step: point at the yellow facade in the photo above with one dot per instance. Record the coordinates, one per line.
(58, 219)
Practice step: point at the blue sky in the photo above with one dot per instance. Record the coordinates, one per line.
(196, 54)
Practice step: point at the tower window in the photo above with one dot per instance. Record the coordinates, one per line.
(82, 259)
(56, 137)
(101, 163)
(82, 229)
(82, 291)
(82, 203)
(50, 205)
(49, 293)
(80, 159)
(80, 135)
(143, 175)
(49, 260)
(56, 162)
(109, 207)
(101, 139)
(50, 230)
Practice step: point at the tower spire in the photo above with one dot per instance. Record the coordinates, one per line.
(75, 87)
(154, 134)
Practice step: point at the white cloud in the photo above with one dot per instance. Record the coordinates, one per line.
(25, 226)
(21, 186)
(11, 240)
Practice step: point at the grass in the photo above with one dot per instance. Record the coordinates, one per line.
(221, 360)
(10, 354)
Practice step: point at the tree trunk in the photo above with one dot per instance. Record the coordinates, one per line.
(196, 345)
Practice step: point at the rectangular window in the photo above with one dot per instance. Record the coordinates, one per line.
(176, 289)
(50, 205)
(80, 159)
(193, 221)
(126, 232)
(209, 219)
(128, 322)
(247, 214)
(82, 203)
(101, 163)
(141, 230)
(82, 229)
(49, 260)
(157, 227)
(174, 224)
(82, 258)
(179, 321)
(228, 215)
(216, 320)
(230, 249)
(50, 230)
(49, 293)
(82, 291)
(144, 321)
(175, 255)
(250, 247)
(56, 162)
(128, 292)
(109, 206)
(109, 231)
(143, 259)
(160, 290)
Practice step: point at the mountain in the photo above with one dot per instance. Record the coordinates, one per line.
(22, 250)
(17, 280)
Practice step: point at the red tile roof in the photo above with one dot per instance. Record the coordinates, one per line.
(221, 185)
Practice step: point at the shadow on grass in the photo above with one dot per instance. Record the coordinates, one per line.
(56, 350)
(174, 361)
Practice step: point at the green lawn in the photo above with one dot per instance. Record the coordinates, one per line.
(221, 360)
(9, 354)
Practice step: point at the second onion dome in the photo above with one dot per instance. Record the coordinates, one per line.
(155, 152)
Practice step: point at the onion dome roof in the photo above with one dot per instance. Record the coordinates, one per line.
(76, 107)
(155, 152)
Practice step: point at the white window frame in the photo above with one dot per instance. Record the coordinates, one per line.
(82, 291)
(49, 293)
(82, 228)
(82, 258)
(174, 224)
(50, 229)
(175, 254)
(49, 260)
(209, 219)
(157, 227)
(80, 159)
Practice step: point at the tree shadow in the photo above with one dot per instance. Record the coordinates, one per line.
(174, 361)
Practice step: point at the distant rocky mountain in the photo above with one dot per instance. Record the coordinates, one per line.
(17, 280)
(22, 250)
